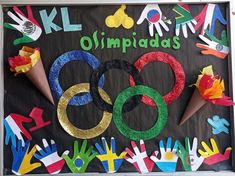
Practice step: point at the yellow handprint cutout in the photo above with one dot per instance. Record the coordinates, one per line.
(213, 155)
(119, 18)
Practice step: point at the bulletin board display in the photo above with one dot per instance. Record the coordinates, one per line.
(120, 73)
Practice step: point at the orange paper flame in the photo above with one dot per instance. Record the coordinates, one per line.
(211, 88)
(28, 57)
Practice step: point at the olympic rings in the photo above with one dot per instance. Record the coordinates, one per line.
(102, 100)
(68, 126)
(114, 64)
(58, 64)
(175, 66)
(161, 110)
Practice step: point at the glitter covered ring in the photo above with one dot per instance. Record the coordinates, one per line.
(175, 66)
(59, 63)
(161, 111)
(114, 64)
(68, 126)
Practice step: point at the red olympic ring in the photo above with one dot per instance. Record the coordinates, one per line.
(175, 66)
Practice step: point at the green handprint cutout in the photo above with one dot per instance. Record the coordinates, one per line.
(188, 155)
(81, 159)
(223, 41)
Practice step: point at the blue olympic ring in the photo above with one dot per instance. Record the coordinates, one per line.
(58, 64)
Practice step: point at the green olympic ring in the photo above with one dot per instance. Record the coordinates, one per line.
(161, 111)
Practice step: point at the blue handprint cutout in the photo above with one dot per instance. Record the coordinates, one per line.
(22, 157)
(219, 124)
(168, 160)
(110, 161)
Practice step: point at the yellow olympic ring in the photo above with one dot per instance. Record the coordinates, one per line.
(68, 126)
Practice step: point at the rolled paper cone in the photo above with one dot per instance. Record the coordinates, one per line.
(195, 103)
(38, 77)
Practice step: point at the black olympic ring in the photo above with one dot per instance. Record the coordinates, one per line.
(114, 64)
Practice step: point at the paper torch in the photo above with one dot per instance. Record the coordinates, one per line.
(29, 62)
(209, 88)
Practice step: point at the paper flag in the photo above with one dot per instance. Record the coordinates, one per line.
(108, 156)
(140, 159)
(184, 19)
(49, 157)
(81, 158)
(28, 26)
(207, 18)
(215, 47)
(218, 124)
(22, 157)
(119, 18)
(36, 114)
(169, 157)
(153, 14)
(188, 155)
(14, 128)
(29, 62)
(212, 155)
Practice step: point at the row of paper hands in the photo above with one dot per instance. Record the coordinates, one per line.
(14, 129)
(206, 19)
(112, 161)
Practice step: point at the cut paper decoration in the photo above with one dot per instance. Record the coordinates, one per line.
(28, 26)
(169, 157)
(119, 18)
(14, 128)
(214, 46)
(50, 158)
(36, 115)
(29, 62)
(184, 19)
(81, 158)
(209, 88)
(68, 126)
(161, 112)
(47, 21)
(188, 155)
(174, 65)
(218, 124)
(140, 159)
(66, 22)
(153, 14)
(60, 62)
(213, 156)
(108, 156)
(207, 18)
(106, 66)
(22, 157)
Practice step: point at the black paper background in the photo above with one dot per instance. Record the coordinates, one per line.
(21, 96)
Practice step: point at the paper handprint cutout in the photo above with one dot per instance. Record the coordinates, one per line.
(215, 47)
(208, 17)
(190, 160)
(168, 160)
(153, 14)
(108, 156)
(15, 129)
(213, 155)
(81, 158)
(22, 157)
(184, 20)
(49, 157)
(139, 158)
(28, 26)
